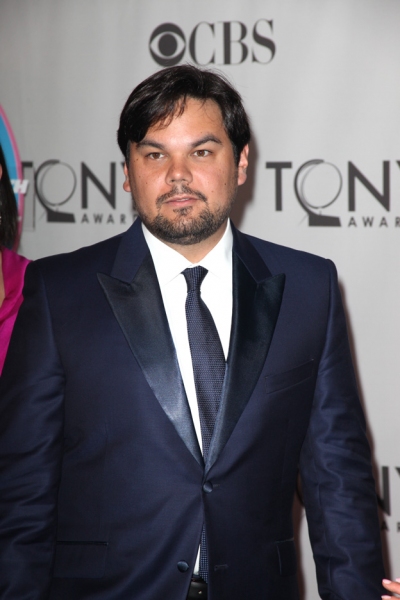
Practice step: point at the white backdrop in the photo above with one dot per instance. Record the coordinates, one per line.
(320, 80)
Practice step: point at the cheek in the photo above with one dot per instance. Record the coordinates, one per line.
(140, 183)
(212, 181)
(145, 191)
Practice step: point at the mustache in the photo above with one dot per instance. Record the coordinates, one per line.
(179, 191)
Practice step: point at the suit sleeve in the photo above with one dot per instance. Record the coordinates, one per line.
(338, 486)
(31, 434)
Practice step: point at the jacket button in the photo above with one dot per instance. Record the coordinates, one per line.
(207, 487)
(182, 566)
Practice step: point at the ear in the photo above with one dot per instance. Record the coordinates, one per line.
(126, 185)
(243, 164)
(1, 171)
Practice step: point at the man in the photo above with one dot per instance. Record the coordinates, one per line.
(151, 437)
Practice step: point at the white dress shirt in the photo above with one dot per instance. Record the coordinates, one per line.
(216, 291)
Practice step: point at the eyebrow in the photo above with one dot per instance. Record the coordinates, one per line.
(148, 142)
(204, 140)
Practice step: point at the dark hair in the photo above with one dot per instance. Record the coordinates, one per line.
(8, 208)
(162, 96)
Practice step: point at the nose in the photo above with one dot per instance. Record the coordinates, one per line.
(178, 171)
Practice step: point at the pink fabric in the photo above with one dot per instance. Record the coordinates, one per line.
(13, 266)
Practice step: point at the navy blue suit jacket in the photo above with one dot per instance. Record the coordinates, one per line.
(101, 474)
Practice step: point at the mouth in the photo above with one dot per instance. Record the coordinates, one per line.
(180, 198)
(181, 201)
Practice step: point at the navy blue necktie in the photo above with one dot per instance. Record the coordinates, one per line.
(208, 362)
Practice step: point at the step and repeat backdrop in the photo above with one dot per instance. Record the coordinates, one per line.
(321, 83)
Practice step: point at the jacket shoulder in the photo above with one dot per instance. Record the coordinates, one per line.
(93, 258)
(285, 259)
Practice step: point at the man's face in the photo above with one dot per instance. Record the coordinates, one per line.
(183, 177)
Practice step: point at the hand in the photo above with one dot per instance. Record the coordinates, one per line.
(392, 586)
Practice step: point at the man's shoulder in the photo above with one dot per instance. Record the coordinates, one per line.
(88, 258)
(280, 258)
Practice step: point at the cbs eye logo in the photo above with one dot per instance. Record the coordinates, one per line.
(167, 44)
(224, 43)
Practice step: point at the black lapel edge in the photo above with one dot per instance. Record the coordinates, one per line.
(139, 310)
(256, 309)
(131, 252)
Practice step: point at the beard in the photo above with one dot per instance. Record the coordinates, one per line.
(186, 229)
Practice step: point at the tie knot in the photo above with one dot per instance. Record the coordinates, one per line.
(194, 277)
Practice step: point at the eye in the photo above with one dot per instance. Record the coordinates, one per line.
(167, 44)
(155, 155)
(202, 153)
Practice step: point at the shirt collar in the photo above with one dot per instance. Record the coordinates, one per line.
(169, 263)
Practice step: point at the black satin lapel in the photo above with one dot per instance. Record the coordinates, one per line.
(255, 312)
(131, 253)
(139, 309)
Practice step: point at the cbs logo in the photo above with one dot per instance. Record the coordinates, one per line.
(222, 43)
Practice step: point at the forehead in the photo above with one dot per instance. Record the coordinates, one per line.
(193, 114)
